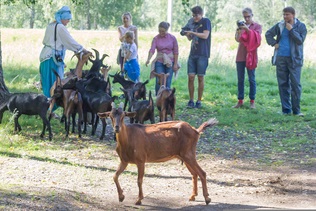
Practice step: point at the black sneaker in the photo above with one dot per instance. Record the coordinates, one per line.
(190, 104)
(198, 104)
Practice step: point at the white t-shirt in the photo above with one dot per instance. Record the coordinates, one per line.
(133, 49)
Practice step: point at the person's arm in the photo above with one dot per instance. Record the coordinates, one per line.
(128, 56)
(136, 36)
(151, 51)
(149, 57)
(204, 35)
(67, 40)
(270, 34)
(175, 54)
(298, 34)
(237, 34)
(121, 36)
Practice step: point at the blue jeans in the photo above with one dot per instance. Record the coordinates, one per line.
(161, 68)
(290, 88)
(241, 66)
(197, 65)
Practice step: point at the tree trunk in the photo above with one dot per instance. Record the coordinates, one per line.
(4, 92)
(32, 19)
(88, 15)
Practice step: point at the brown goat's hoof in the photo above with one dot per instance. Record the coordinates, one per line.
(207, 200)
(192, 198)
(138, 202)
(121, 198)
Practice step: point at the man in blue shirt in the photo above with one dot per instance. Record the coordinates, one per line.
(288, 58)
(200, 38)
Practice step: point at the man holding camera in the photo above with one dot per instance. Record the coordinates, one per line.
(198, 31)
(248, 34)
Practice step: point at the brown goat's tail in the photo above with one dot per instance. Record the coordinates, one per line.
(209, 123)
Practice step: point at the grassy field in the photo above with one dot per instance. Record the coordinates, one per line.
(263, 134)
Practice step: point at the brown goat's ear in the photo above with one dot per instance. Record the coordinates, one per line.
(130, 114)
(104, 114)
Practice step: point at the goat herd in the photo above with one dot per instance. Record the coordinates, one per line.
(82, 92)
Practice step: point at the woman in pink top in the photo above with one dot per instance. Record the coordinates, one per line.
(166, 60)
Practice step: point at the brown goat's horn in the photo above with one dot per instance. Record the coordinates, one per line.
(96, 54)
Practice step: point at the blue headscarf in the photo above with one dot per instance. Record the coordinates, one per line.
(63, 13)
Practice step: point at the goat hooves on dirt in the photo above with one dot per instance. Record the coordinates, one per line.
(138, 202)
(207, 201)
(121, 198)
(192, 198)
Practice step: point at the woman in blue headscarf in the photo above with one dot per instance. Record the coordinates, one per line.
(56, 41)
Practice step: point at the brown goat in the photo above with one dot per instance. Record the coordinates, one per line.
(83, 58)
(139, 144)
(74, 105)
(165, 99)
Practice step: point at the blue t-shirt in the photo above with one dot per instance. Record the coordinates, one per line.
(202, 47)
(284, 44)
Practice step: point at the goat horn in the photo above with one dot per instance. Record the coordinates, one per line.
(96, 54)
(103, 56)
(73, 56)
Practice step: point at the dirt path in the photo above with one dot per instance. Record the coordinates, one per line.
(82, 180)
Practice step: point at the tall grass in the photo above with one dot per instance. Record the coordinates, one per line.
(21, 49)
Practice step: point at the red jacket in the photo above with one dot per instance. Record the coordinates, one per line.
(251, 41)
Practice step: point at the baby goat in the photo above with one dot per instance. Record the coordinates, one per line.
(166, 99)
(139, 144)
(74, 106)
(29, 104)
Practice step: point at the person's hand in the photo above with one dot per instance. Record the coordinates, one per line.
(147, 62)
(276, 46)
(244, 26)
(175, 67)
(288, 26)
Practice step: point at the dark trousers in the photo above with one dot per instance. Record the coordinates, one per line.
(289, 81)
(241, 68)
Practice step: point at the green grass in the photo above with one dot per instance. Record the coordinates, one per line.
(262, 134)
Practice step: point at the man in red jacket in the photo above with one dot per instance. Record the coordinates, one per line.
(248, 34)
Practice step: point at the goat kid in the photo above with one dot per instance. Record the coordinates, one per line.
(74, 106)
(139, 144)
(28, 104)
(144, 108)
(165, 99)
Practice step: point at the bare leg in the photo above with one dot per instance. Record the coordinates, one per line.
(200, 87)
(191, 78)
(141, 169)
(119, 170)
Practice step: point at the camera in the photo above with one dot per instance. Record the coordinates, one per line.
(240, 23)
(190, 26)
(58, 58)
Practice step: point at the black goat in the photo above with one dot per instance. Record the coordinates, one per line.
(144, 110)
(28, 104)
(94, 102)
(139, 88)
